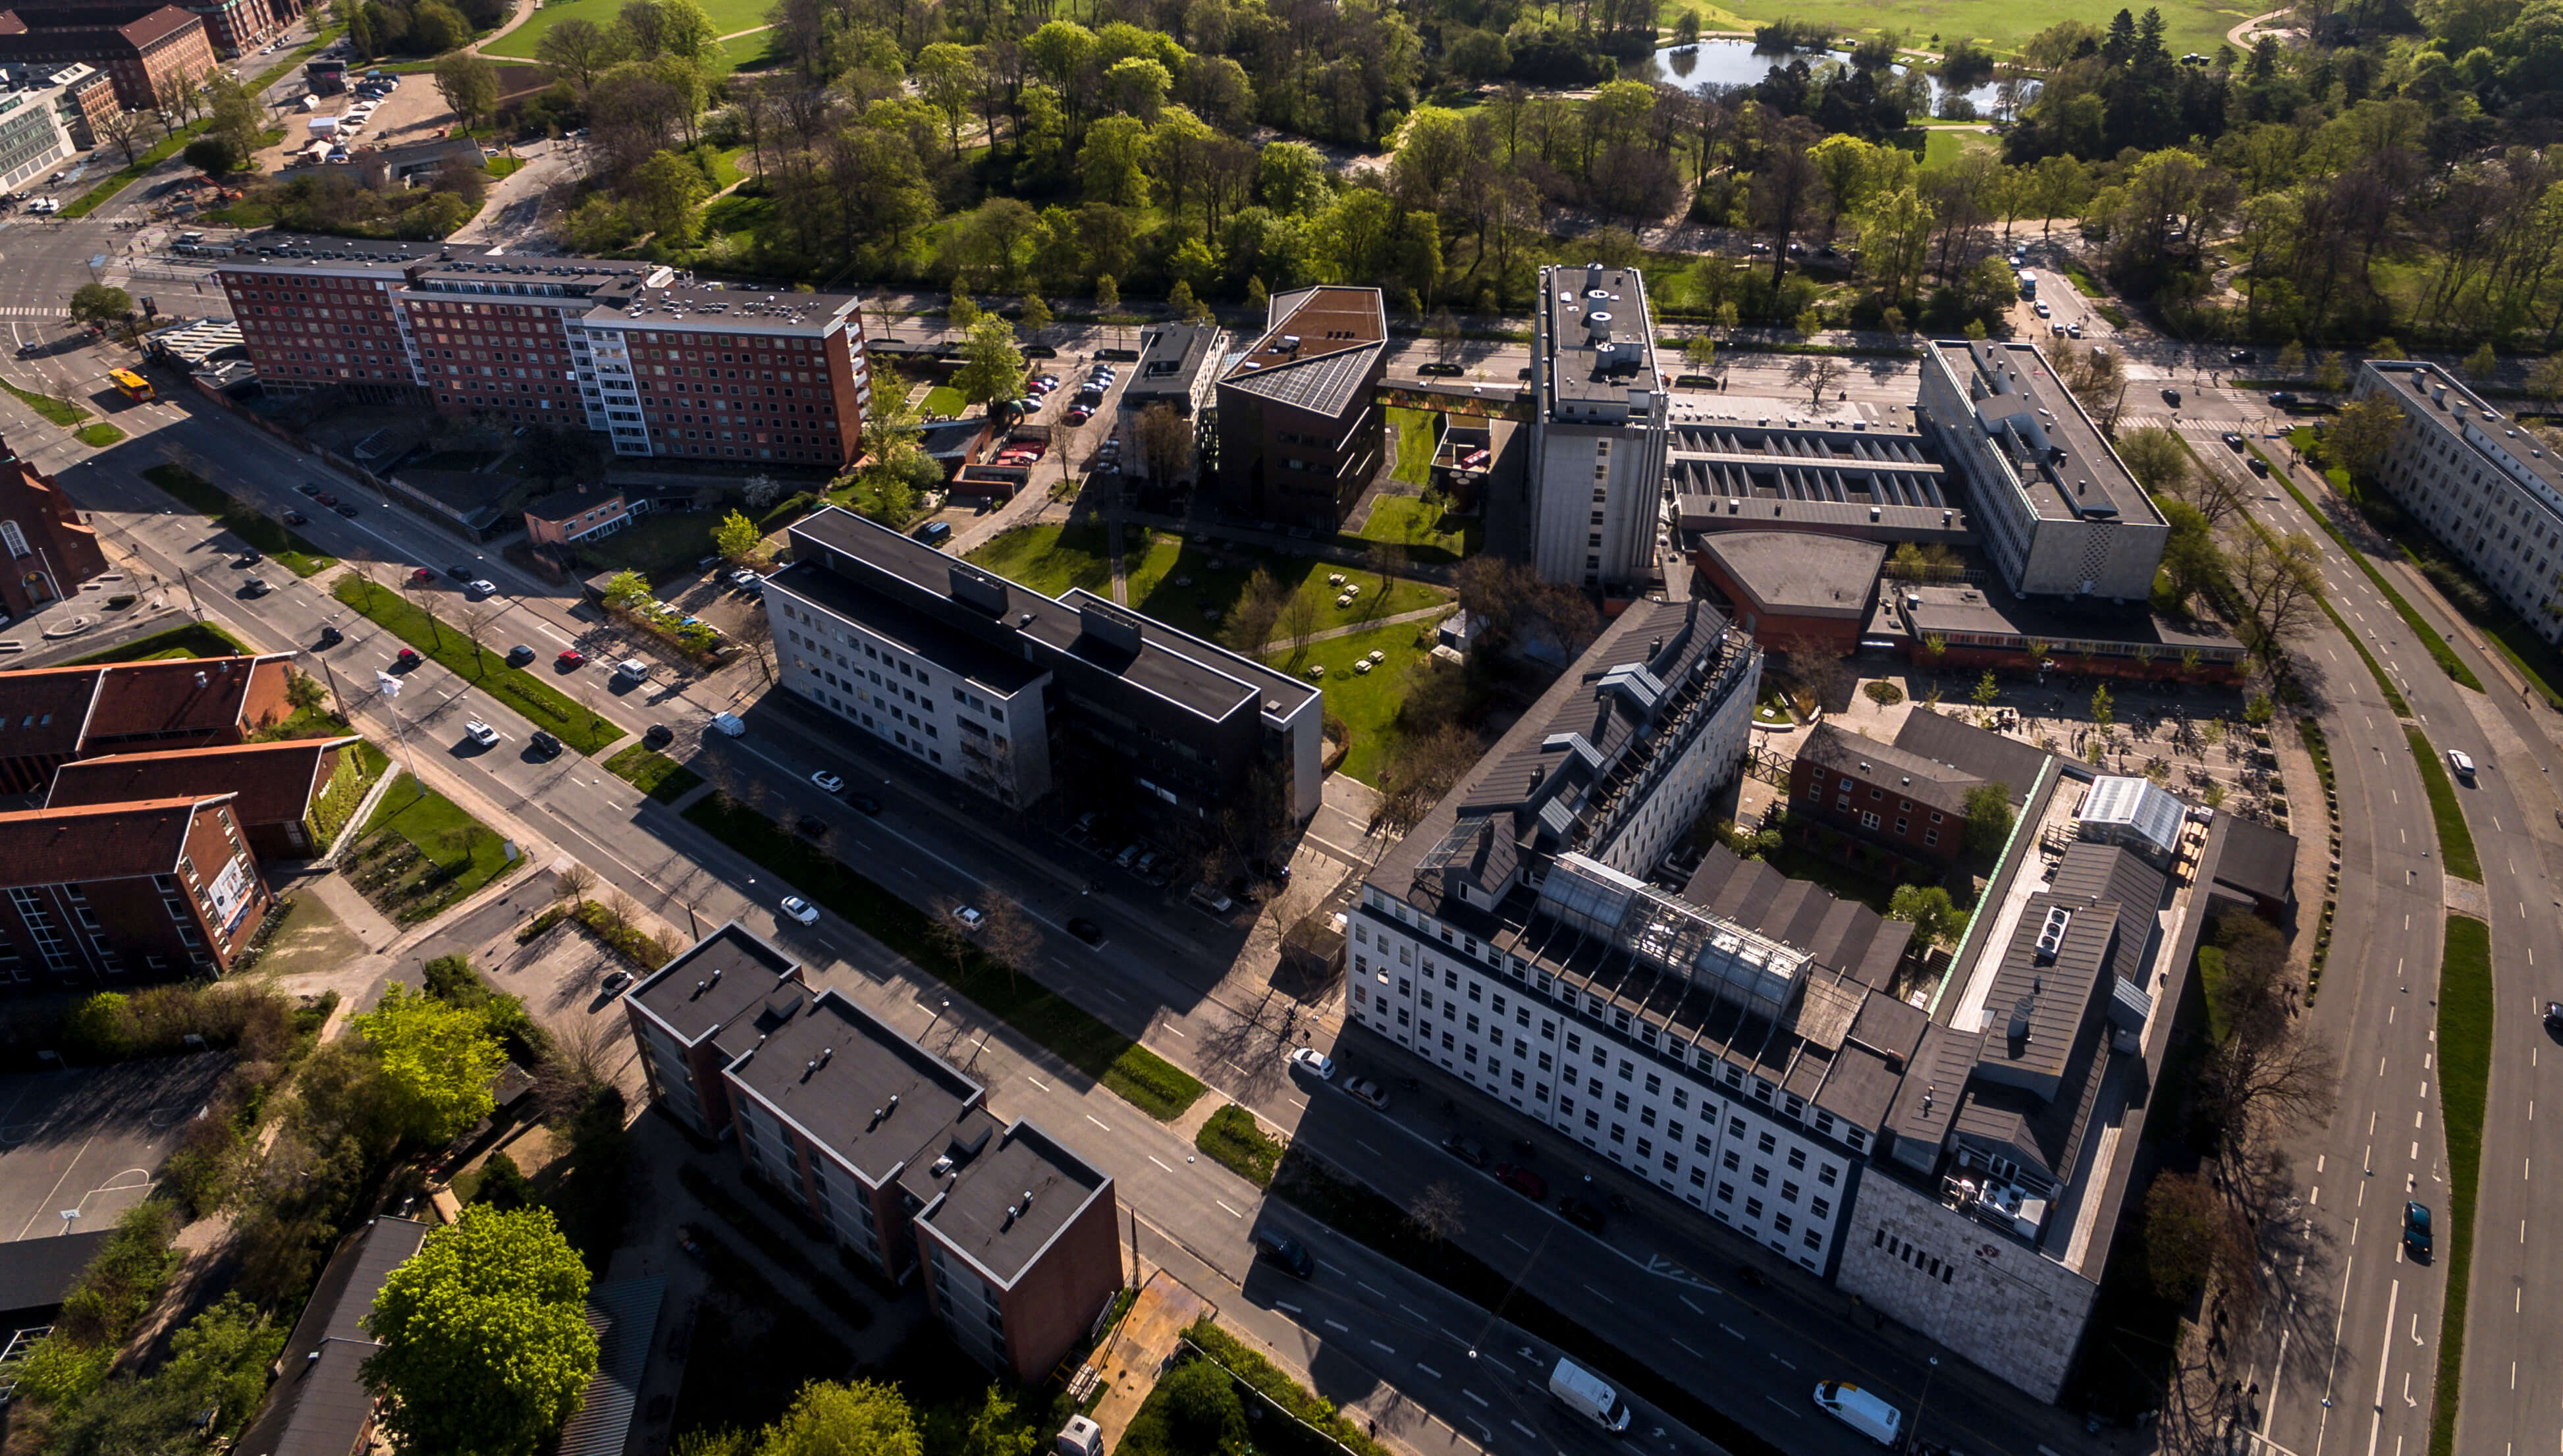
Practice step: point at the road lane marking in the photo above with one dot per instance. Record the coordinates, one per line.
(1731, 1329)
(1785, 1362)
(1597, 1294)
(1525, 1431)
(1373, 1291)
(1233, 1213)
(1099, 1122)
(1473, 1395)
(1037, 1081)
(1688, 1305)
(1289, 1308)
(1412, 1309)
(1340, 1325)
(1516, 1243)
(1161, 1163)
(1377, 1345)
(1686, 1349)
(1790, 1409)
(1428, 1370)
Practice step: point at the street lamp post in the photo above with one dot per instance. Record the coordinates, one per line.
(389, 687)
(1920, 1405)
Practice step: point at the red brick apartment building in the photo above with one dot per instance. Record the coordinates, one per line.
(274, 787)
(1882, 793)
(661, 367)
(140, 47)
(98, 893)
(888, 1147)
(50, 549)
(51, 716)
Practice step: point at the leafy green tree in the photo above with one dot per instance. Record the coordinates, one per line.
(865, 1418)
(1202, 1412)
(436, 28)
(579, 51)
(991, 365)
(2156, 457)
(1700, 351)
(1987, 689)
(679, 28)
(738, 540)
(100, 304)
(625, 588)
(2105, 709)
(1108, 294)
(470, 85)
(665, 192)
(1989, 818)
(484, 1339)
(439, 1058)
(1258, 297)
(2257, 710)
(1180, 299)
(1036, 317)
(2361, 435)
(1936, 918)
(217, 1362)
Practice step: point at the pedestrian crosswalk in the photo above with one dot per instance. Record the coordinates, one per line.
(21, 311)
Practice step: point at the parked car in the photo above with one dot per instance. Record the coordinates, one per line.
(615, 981)
(1521, 1180)
(828, 782)
(480, 732)
(420, 577)
(1367, 1090)
(250, 557)
(814, 828)
(545, 745)
(1583, 1213)
(800, 910)
(656, 734)
(296, 517)
(1281, 1249)
(1468, 1149)
(309, 489)
(405, 659)
(2285, 398)
(347, 509)
(480, 587)
(460, 574)
(970, 916)
(1087, 930)
(1313, 1062)
(519, 655)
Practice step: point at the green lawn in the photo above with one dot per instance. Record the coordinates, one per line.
(1147, 1081)
(2456, 841)
(1180, 582)
(98, 436)
(1415, 434)
(658, 545)
(1430, 535)
(56, 411)
(457, 853)
(538, 701)
(2189, 25)
(1367, 703)
(196, 639)
(276, 539)
(1233, 1139)
(1050, 559)
(654, 773)
(943, 399)
(1944, 146)
(727, 16)
(2465, 1082)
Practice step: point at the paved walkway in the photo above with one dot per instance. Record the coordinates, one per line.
(1148, 1337)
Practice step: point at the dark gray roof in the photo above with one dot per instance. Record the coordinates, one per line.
(2041, 1007)
(34, 1273)
(562, 505)
(2058, 621)
(624, 1316)
(321, 1406)
(1323, 383)
(1803, 573)
(982, 1214)
(474, 496)
(1960, 746)
(1172, 358)
(726, 975)
(1898, 770)
(2257, 860)
(1841, 933)
(1927, 1106)
(1580, 370)
(870, 1097)
(2019, 399)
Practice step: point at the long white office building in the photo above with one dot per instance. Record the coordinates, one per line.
(2493, 493)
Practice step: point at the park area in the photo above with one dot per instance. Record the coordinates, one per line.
(1196, 586)
(729, 17)
(422, 854)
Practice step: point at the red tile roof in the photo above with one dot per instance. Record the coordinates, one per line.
(119, 700)
(274, 782)
(97, 842)
(40, 712)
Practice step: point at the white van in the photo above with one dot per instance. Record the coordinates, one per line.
(2463, 762)
(729, 723)
(633, 668)
(1588, 1395)
(1860, 1411)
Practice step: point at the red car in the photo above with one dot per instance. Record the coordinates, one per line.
(407, 658)
(422, 575)
(570, 657)
(1521, 1180)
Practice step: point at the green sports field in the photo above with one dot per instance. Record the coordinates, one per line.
(729, 17)
(2189, 25)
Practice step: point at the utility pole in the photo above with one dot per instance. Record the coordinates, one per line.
(389, 686)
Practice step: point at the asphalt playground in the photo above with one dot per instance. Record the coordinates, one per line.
(90, 1141)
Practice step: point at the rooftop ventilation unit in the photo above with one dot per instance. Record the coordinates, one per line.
(1597, 326)
(2051, 936)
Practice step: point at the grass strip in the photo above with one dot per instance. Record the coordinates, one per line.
(654, 773)
(57, 411)
(1145, 1080)
(458, 854)
(533, 699)
(274, 538)
(98, 436)
(2440, 652)
(1360, 1214)
(1151, 1431)
(2465, 1084)
(2456, 841)
(2376, 670)
(1233, 1139)
(195, 639)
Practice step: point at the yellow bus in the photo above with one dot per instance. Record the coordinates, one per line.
(133, 385)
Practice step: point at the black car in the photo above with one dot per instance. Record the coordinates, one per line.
(2283, 398)
(1280, 1249)
(256, 586)
(1582, 1213)
(2238, 356)
(545, 745)
(2416, 1232)
(865, 802)
(296, 517)
(331, 637)
(2233, 441)
(250, 557)
(519, 655)
(813, 826)
(2171, 397)
(1087, 930)
(461, 573)
(347, 508)
(2554, 1016)
(1468, 1149)
(2259, 465)
(309, 489)
(657, 734)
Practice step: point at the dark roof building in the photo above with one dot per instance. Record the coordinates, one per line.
(1867, 945)
(477, 501)
(704, 1010)
(1866, 482)
(320, 1405)
(1955, 744)
(2256, 866)
(387, 166)
(276, 787)
(1299, 417)
(36, 1273)
(1795, 591)
(1977, 627)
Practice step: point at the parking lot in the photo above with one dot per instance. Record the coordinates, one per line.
(91, 1138)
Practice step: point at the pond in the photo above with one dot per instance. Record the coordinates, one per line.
(1738, 62)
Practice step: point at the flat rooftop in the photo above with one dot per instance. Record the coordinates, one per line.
(1601, 343)
(2433, 390)
(854, 1086)
(717, 310)
(1965, 609)
(1172, 357)
(727, 974)
(2067, 468)
(1318, 349)
(956, 651)
(986, 1215)
(1805, 573)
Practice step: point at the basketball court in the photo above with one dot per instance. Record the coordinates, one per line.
(90, 1141)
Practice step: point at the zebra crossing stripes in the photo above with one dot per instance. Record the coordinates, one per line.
(22, 312)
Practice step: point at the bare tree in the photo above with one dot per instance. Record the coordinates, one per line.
(573, 881)
(418, 598)
(2281, 584)
(947, 934)
(1384, 559)
(1420, 767)
(1165, 442)
(475, 618)
(1819, 373)
(755, 632)
(1438, 1213)
(1300, 622)
(128, 131)
(1007, 934)
(1251, 619)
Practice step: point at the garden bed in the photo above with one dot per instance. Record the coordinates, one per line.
(420, 854)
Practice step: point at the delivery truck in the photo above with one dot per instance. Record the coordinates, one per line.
(1588, 1395)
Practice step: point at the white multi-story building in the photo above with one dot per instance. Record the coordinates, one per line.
(2492, 492)
(1599, 500)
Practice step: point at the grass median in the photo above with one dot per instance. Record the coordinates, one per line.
(2464, 1083)
(56, 411)
(2393, 695)
(654, 773)
(2456, 841)
(1145, 1080)
(533, 699)
(2440, 652)
(274, 538)
(1236, 1142)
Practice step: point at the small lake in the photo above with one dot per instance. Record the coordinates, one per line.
(1737, 62)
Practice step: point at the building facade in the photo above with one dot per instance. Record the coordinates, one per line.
(2490, 491)
(1019, 695)
(2056, 509)
(1880, 793)
(569, 516)
(1178, 367)
(1796, 591)
(142, 48)
(51, 716)
(658, 367)
(95, 895)
(50, 549)
(1599, 498)
(37, 122)
(1298, 410)
(291, 796)
(703, 1011)
(83, 96)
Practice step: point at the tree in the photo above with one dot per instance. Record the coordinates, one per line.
(2361, 435)
(1300, 622)
(865, 1418)
(128, 131)
(2156, 457)
(1438, 1213)
(755, 632)
(100, 303)
(626, 589)
(2104, 711)
(991, 365)
(1420, 767)
(1883, 693)
(1700, 351)
(738, 540)
(218, 1362)
(1989, 818)
(2545, 380)
(1006, 934)
(2292, 360)
(573, 881)
(1035, 320)
(579, 51)
(439, 1058)
(1818, 373)
(1251, 619)
(2257, 710)
(2190, 1234)
(1936, 921)
(469, 84)
(1107, 295)
(2280, 586)
(664, 192)
(1183, 305)
(1202, 1412)
(2331, 372)
(485, 1345)
(1165, 441)
(1987, 689)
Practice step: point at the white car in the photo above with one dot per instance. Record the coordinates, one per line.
(481, 733)
(2041, 308)
(970, 916)
(829, 781)
(479, 586)
(1315, 1062)
(2461, 762)
(800, 910)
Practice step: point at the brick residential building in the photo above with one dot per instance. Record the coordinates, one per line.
(99, 893)
(83, 96)
(1796, 591)
(51, 716)
(705, 1010)
(140, 47)
(1881, 792)
(279, 789)
(50, 549)
(1298, 414)
(567, 517)
(661, 367)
